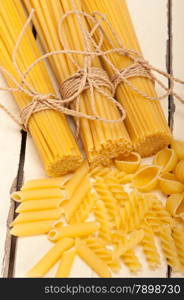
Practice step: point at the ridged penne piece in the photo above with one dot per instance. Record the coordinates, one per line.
(50, 258)
(76, 230)
(74, 202)
(35, 205)
(83, 212)
(32, 228)
(102, 216)
(149, 246)
(98, 247)
(42, 183)
(51, 193)
(169, 248)
(97, 264)
(131, 261)
(178, 237)
(73, 184)
(50, 214)
(65, 265)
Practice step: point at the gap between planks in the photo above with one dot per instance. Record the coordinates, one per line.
(10, 243)
(169, 66)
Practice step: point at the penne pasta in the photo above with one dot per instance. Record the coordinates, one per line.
(76, 230)
(77, 178)
(65, 265)
(32, 216)
(98, 265)
(50, 258)
(74, 202)
(46, 183)
(32, 228)
(51, 193)
(33, 205)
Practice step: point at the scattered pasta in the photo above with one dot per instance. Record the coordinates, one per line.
(129, 163)
(166, 159)
(146, 178)
(169, 184)
(104, 220)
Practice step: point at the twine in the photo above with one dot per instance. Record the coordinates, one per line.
(87, 77)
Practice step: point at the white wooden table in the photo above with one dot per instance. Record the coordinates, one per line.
(159, 25)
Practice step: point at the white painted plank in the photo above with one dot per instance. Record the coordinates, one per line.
(178, 70)
(10, 139)
(150, 20)
(178, 64)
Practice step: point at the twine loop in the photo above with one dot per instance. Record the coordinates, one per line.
(134, 70)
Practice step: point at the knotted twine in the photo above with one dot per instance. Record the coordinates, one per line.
(87, 78)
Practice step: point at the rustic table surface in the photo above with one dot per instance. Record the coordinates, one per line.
(160, 28)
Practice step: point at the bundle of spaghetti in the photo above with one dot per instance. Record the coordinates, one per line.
(49, 129)
(131, 261)
(84, 209)
(169, 248)
(178, 237)
(134, 211)
(109, 200)
(145, 120)
(101, 140)
(149, 247)
(97, 246)
(158, 215)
